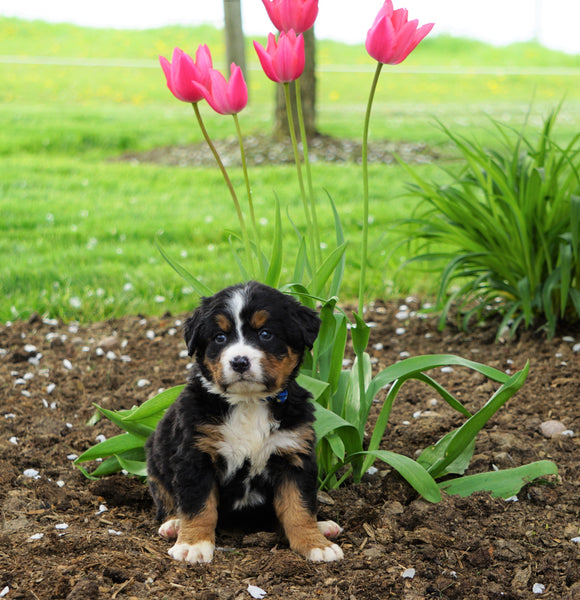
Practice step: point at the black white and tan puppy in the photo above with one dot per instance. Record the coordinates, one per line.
(237, 449)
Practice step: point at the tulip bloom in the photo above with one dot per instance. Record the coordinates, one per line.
(183, 71)
(225, 97)
(282, 61)
(298, 15)
(392, 37)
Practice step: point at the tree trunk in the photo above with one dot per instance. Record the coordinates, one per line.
(308, 95)
(235, 47)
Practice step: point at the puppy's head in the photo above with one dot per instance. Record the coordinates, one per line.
(249, 339)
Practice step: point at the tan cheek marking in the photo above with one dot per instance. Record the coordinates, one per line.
(280, 369)
(201, 527)
(215, 368)
(223, 323)
(259, 319)
(298, 523)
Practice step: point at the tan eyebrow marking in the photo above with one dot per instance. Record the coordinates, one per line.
(259, 319)
(223, 323)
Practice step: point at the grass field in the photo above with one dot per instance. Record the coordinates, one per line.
(78, 228)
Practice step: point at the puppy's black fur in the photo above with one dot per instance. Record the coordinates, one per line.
(237, 448)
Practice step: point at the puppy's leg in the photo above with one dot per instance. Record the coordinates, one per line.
(165, 508)
(196, 533)
(300, 525)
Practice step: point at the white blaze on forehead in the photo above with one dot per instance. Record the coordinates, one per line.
(236, 305)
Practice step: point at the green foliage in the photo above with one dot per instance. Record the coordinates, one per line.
(505, 227)
(340, 426)
(342, 418)
(126, 451)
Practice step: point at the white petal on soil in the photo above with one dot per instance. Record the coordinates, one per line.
(61, 526)
(256, 592)
(4, 592)
(101, 510)
(538, 588)
(35, 536)
(32, 473)
(408, 574)
(67, 364)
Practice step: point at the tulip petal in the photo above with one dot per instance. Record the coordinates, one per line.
(237, 90)
(392, 36)
(265, 59)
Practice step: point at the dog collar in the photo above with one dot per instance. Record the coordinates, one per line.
(280, 397)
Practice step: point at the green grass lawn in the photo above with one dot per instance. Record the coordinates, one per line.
(78, 228)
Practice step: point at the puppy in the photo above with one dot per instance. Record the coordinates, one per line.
(237, 448)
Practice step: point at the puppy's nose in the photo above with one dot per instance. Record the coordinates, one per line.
(240, 364)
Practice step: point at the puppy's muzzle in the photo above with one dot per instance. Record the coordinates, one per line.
(240, 364)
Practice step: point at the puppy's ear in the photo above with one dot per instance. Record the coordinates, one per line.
(192, 333)
(308, 323)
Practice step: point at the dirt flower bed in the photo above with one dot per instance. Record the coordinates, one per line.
(63, 536)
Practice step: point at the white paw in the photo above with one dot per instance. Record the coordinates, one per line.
(170, 528)
(329, 529)
(202, 552)
(327, 554)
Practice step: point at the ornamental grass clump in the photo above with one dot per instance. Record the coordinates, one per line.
(342, 397)
(504, 229)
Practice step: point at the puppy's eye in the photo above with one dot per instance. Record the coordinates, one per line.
(265, 335)
(220, 338)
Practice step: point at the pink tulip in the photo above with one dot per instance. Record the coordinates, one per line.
(298, 15)
(282, 61)
(183, 71)
(392, 37)
(225, 97)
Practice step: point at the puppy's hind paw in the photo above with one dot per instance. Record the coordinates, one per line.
(170, 529)
(326, 554)
(329, 529)
(201, 552)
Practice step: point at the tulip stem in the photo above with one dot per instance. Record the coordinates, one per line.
(297, 160)
(307, 165)
(248, 187)
(228, 183)
(365, 171)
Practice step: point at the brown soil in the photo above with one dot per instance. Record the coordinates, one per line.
(262, 150)
(478, 547)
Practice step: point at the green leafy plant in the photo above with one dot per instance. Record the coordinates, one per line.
(506, 227)
(340, 428)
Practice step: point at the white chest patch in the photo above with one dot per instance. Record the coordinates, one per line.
(249, 434)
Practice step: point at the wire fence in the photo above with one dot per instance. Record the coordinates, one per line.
(120, 63)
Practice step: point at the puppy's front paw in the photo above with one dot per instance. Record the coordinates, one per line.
(170, 529)
(201, 552)
(326, 554)
(329, 529)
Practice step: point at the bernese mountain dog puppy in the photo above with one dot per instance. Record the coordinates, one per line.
(236, 450)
